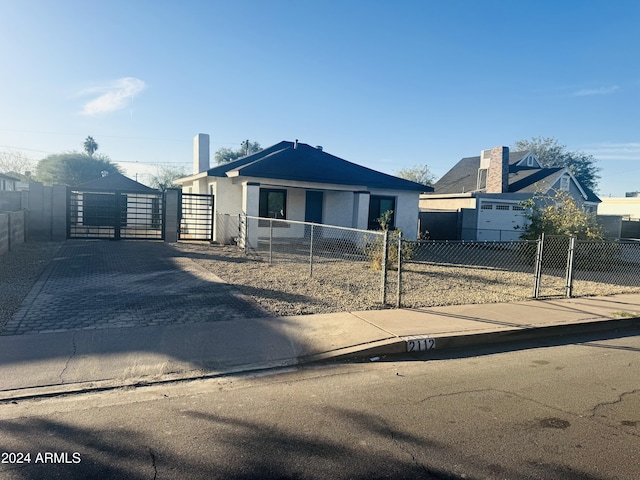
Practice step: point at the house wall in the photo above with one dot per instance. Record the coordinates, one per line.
(623, 206)
(338, 209)
(455, 204)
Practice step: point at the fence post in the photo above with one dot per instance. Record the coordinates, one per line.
(311, 252)
(537, 270)
(399, 298)
(569, 275)
(270, 241)
(383, 266)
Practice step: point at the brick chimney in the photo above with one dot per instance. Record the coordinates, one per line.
(200, 153)
(496, 161)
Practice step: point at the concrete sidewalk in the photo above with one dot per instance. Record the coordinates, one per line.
(81, 360)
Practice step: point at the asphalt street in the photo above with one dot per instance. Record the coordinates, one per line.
(554, 412)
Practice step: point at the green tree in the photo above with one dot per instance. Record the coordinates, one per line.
(418, 173)
(16, 162)
(559, 214)
(551, 154)
(226, 155)
(73, 168)
(164, 177)
(90, 146)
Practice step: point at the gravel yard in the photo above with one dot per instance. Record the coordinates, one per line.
(285, 287)
(19, 270)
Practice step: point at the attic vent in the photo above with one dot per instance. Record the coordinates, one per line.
(319, 147)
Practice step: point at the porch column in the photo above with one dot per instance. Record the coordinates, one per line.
(251, 207)
(361, 210)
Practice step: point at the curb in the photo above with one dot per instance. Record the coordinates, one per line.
(389, 346)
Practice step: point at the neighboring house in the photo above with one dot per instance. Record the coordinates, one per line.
(626, 207)
(487, 191)
(95, 201)
(621, 216)
(295, 181)
(8, 183)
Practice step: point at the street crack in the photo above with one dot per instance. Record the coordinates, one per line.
(153, 464)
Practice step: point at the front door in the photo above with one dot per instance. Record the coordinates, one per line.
(313, 209)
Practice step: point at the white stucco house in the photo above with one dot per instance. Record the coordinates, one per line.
(296, 181)
(487, 191)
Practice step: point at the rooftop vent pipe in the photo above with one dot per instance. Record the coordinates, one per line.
(295, 144)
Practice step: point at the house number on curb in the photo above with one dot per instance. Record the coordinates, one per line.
(421, 344)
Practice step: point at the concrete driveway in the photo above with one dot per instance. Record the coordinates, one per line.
(105, 284)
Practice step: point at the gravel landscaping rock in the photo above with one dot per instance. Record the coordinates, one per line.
(285, 287)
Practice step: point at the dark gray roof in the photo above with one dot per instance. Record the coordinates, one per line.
(463, 177)
(304, 163)
(115, 181)
(9, 177)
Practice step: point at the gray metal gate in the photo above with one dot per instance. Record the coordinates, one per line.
(115, 214)
(196, 217)
(553, 266)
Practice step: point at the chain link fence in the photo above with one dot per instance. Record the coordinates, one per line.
(362, 269)
(449, 273)
(601, 266)
(337, 260)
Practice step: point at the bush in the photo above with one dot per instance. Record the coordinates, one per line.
(374, 251)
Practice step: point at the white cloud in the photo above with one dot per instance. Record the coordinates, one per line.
(615, 151)
(112, 96)
(587, 92)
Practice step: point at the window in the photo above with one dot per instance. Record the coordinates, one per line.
(486, 206)
(273, 203)
(379, 205)
(502, 207)
(564, 183)
(518, 208)
(529, 161)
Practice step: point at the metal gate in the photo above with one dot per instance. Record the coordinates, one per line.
(196, 217)
(115, 215)
(553, 266)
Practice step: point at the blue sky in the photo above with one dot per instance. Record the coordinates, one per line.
(386, 84)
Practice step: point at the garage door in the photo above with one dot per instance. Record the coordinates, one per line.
(497, 221)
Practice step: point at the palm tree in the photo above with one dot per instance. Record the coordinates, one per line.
(90, 145)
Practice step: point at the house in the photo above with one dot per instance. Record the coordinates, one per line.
(621, 216)
(296, 181)
(8, 183)
(486, 192)
(111, 200)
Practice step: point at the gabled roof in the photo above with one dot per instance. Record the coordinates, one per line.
(115, 181)
(463, 177)
(9, 177)
(304, 163)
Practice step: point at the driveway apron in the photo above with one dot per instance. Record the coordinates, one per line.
(107, 284)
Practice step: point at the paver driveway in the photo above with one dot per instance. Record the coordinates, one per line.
(106, 284)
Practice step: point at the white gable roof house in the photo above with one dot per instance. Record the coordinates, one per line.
(487, 191)
(296, 181)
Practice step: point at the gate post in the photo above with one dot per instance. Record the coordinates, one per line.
(117, 215)
(171, 215)
(311, 252)
(537, 269)
(399, 298)
(383, 266)
(569, 274)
